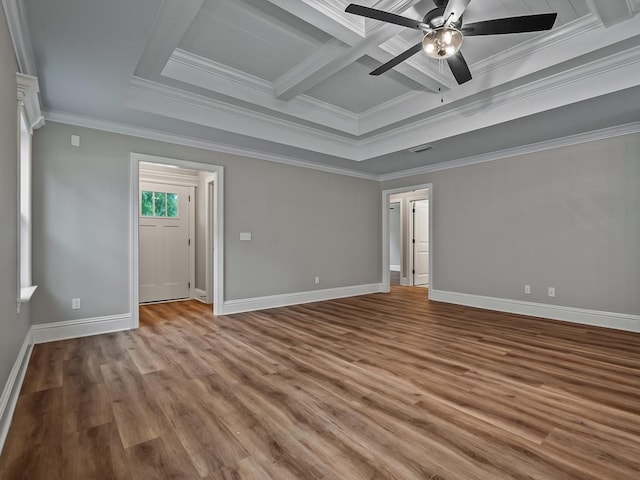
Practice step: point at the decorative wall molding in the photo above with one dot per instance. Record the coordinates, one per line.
(178, 178)
(619, 321)
(52, 332)
(16, 15)
(153, 97)
(141, 132)
(542, 42)
(28, 89)
(12, 387)
(613, 73)
(595, 135)
(200, 295)
(216, 77)
(283, 300)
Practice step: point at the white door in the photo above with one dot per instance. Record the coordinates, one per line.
(420, 242)
(163, 242)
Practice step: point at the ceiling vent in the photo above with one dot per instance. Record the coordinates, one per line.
(420, 148)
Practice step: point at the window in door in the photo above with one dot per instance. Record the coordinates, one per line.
(159, 204)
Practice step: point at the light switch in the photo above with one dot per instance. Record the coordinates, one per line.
(75, 140)
(245, 235)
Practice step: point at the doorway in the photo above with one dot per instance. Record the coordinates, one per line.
(161, 233)
(416, 257)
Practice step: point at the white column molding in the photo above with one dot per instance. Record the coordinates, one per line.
(28, 89)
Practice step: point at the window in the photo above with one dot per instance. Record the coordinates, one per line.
(29, 118)
(158, 204)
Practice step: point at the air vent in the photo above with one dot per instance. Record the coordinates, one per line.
(420, 148)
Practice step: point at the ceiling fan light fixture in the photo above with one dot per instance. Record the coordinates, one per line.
(442, 42)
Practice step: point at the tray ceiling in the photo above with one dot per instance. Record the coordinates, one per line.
(291, 77)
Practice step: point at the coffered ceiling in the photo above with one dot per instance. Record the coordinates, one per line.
(288, 80)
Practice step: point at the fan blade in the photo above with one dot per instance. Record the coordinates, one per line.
(528, 23)
(454, 10)
(384, 16)
(459, 68)
(399, 59)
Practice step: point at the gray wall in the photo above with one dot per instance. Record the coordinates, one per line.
(567, 218)
(304, 223)
(13, 327)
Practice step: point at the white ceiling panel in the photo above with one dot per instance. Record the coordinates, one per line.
(355, 90)
(251, 36)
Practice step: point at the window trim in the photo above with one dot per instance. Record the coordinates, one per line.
(29, 118)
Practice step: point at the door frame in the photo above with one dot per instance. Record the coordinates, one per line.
(216, 269)
(386, 194)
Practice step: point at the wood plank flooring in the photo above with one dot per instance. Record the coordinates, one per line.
(373, 387)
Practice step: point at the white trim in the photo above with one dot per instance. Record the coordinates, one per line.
(167, 178)
(141, 132)
(619, 321)
(200, 295)
(218, 227)
(84, 327)
(210, 200)
(20, 35)
(603, 134)
(205, 73)
(153, 97)
(394, 268)
(296, 298)
(12, 387)
(28, 89)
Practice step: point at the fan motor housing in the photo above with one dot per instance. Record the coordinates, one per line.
(435, 19)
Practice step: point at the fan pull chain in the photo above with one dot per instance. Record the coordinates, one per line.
(441, 95)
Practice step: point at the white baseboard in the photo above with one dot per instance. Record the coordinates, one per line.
(283, 300)
(12, 387)
(619, 321)
(200, 295)
(52, 332)
(394, 268)
(404, 281)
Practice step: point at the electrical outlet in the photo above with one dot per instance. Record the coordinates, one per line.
(551, 291)
(75, 304)
(317, 280)
(527, 289)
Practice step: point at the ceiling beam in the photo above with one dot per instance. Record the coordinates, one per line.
(173, 21)
(352, 41)
(611, 12)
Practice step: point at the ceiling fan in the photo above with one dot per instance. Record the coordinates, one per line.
(444, 31)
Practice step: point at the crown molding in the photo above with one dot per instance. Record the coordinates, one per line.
(603, 134)
(541, 42)
(135, 131)
(216, 77)
(27, 91)
(599, 77)
(161, 136)
(16, 15)
(152, 97)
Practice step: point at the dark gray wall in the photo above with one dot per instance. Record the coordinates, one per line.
(305, 223)
(13, 327)
(567, 218)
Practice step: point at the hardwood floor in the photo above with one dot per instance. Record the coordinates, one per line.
(373, 387)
